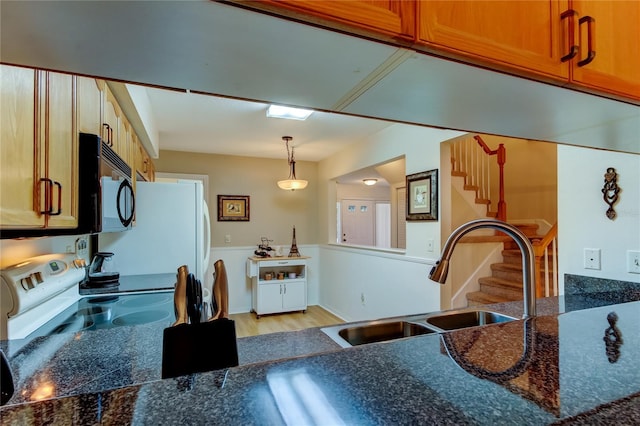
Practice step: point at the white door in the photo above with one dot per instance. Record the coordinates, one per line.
(358, 222)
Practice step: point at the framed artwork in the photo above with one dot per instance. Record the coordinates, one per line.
(233, 208)
(422, 196)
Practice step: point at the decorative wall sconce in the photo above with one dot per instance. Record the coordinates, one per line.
(610, 191)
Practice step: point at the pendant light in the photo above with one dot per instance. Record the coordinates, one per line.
(291, 183)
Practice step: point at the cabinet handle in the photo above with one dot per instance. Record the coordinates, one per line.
(48, 193)
(59, 211)
(111, 136)
(105, 137)
(591, 29)
(280, 288)
(573, 47)
(144, 166)
(285, 289)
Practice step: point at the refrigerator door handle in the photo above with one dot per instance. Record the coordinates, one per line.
(207, 235)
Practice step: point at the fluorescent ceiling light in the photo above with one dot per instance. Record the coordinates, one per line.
(278, 111)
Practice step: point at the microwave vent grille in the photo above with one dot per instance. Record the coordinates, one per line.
(110, 155)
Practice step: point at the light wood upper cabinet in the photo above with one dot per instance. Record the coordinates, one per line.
(395, 18)
(612, 27)
(61, 148)
(19, 165)
(551, 39)
(38, 178)
(89, 99)
(110, 119)
(523, 34)
(144, 165)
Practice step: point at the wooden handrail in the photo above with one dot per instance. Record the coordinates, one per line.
(541, 250)
(501, 153)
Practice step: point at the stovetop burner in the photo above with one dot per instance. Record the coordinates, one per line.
(102, 312)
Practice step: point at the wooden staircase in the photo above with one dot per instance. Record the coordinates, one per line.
(505, 282)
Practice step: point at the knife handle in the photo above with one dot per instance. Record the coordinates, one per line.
(180, 296)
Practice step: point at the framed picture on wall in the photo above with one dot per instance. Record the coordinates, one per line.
(233, 208)
(422, 195)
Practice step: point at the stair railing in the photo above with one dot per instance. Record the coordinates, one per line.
(546, 265)
(472, 161)
(501, 155)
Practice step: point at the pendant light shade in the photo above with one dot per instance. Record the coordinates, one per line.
(291, 183)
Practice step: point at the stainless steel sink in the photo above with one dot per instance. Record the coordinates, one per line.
(354, 335)
(462, 319)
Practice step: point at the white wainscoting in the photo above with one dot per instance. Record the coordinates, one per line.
(338, 277)
(391, 284)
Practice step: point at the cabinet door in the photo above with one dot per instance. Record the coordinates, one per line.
(110, 130)
(18, 149)
(294, 296)
(124, 141)
(615, 39)
(89, 102)
(527, 35)
(269, 298)
(392, 17)
(61, 141)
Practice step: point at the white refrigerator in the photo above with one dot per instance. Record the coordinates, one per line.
(172, 228)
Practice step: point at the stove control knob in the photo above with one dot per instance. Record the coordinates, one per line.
(38, 277)
(27, 283)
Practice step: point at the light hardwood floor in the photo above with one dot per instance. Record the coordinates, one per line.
(248, 325)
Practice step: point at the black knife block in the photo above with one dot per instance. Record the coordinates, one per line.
(195, 348)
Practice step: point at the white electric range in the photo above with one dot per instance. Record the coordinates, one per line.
(45, 295)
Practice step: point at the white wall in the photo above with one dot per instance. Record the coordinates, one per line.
(581, 212)
(15, 251)
(360, 284)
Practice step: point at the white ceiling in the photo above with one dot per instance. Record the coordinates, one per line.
(211, 124)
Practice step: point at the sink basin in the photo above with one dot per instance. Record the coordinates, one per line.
(375, 332)
(456, 320)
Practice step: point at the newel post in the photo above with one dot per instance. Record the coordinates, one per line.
(502, 204)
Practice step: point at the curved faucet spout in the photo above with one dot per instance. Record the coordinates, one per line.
(441, 269)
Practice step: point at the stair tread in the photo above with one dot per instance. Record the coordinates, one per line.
(485, 298)
(495, 281)
(505, 266)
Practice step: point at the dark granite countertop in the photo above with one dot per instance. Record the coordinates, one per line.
(113, 376)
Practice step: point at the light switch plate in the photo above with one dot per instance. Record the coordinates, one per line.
(633, 261)
(591, 258)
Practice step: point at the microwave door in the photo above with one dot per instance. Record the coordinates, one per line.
(125, 203)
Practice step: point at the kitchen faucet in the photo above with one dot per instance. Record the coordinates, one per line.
(441, 269)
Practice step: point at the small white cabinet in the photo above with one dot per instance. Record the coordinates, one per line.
(278, 284)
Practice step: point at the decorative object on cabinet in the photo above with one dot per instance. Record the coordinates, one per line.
(233, 208)
(610, 191)
(291, 183)
(293, 251)
(422, 195)
(264, 248)
(277, 285)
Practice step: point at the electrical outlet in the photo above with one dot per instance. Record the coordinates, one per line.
(362, 299)
(633, 261)
(591, 258)
(430, 245)
(227, 238)
(81, 246)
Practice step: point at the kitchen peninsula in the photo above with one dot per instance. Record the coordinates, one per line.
(566, 377)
